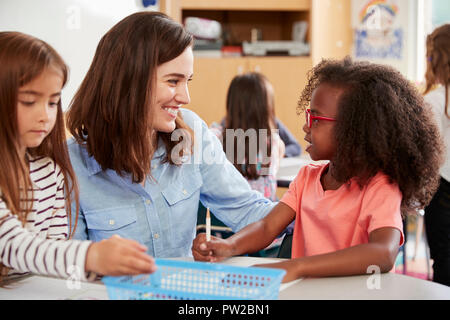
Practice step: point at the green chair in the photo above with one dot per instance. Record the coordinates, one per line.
(220, 230)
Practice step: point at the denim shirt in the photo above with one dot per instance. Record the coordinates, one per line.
(162, 214)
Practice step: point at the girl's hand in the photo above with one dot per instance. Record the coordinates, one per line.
(213, 251)
(290, 266)
(117, 256)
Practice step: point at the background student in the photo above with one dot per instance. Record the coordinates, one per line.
(291, 146)
(36, 177)
(250, 109)
(128, 124)
(348, 212)
(437, 214)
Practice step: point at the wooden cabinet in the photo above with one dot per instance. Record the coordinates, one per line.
(208, 89)
(212, 77)
(328, 36)
(287, 75)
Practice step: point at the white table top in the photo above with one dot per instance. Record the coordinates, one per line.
(366, 287)
(289, 167)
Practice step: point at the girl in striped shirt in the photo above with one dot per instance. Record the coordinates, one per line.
(36, 177)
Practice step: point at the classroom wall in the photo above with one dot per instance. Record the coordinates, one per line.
(72, 27)
(389, 34)
(440, 12)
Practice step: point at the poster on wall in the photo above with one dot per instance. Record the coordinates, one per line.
(380, 31)
(379, 34)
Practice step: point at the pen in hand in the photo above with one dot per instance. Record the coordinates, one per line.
(208, 225)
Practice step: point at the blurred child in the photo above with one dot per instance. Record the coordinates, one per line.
(292, 147)
(384, 154)
(250, 109)
(437, 214)
(36, 177)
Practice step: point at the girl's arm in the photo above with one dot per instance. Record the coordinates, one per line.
(380, 252)
(25, 251)
(254, 237)
(58, 223)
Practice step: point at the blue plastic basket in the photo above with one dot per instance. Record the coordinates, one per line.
(186, 280)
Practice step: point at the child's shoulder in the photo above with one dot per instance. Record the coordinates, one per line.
(381, 178)
(436, 93)
(381, 183)
(315, 167)
(312, 170)
(44, 170)
(40, 161)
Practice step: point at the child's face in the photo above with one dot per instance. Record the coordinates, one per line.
(37, 108)
(320, 136)
(172, 90)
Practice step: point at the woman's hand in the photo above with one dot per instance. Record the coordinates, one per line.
(117, 256)
(213, 251)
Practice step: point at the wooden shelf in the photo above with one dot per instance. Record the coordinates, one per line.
(256, 58)
(248, 5)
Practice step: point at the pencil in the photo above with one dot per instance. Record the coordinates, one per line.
(208, 225)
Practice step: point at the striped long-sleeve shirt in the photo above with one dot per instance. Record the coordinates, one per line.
(41, 246)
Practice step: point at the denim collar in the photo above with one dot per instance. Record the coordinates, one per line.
(94, 167)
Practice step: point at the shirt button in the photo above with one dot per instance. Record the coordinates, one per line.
(184, 191)
(148, 201)
(156, 236)
(154, 166)
(111, 222)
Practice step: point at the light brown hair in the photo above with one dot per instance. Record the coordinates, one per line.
(249, 107)
(438, 61)
(22, 59)
(111, 111)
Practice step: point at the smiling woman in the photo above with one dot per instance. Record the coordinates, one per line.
(126, 119)
(171, 90)
(108, 111)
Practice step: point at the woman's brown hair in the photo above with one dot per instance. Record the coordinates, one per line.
(383, 125)
(110, 113)
(22, 59)
(249, 107)
(438, 61)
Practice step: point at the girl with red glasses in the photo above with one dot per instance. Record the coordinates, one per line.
(384, 153)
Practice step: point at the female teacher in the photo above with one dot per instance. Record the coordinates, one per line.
(143, 162)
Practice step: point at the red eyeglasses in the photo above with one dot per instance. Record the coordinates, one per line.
(310, 118)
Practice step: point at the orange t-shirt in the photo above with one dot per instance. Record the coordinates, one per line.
(331, 220)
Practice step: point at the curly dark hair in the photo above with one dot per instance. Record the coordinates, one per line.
(382, 125)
